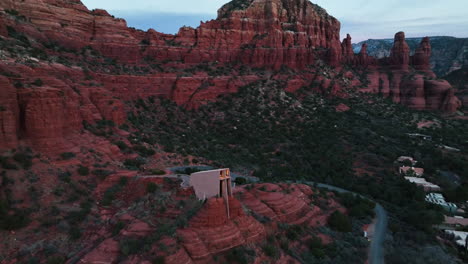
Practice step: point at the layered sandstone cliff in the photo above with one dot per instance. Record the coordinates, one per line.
(269, 34)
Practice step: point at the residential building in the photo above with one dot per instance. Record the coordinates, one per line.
(456, 221)
(459, 237)
(405, 158)
(428, 186)
(437, 198)
(411, 171)
(421, 136)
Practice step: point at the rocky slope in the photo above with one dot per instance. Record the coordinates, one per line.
(459, 80)
(448, 53)
(69, 65)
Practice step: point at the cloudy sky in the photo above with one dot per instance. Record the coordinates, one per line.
(363, 19)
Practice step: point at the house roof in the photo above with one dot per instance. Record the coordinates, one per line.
(418, 171)
(456, 221)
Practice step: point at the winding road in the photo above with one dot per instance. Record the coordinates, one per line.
(376, 252)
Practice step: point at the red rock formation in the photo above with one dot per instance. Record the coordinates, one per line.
(400, 53)
(261, 33)
(106, 253)
(9, 114)
(212, 232)
(347, 49)
(420, 60)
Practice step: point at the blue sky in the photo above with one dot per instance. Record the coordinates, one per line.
(363, 19)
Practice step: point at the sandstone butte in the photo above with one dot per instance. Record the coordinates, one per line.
(259, 33)
(210, 232)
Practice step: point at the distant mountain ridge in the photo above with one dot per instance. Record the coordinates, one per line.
(448, 53)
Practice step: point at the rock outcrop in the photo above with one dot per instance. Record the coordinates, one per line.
(212, 232)
(408, 79)
(9, 114)
(270, 34)
(400, 53)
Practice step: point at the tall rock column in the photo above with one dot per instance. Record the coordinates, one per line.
(422, 55)
(347, 49)
(400, 53)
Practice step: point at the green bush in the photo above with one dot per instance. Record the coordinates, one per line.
(117, 228)
(74, 233)
(7, 165)
(83, 171)
(101, 173)
(123, 181)
(38, 82)
(122, 145)
(240, 180)
(159, 260)
(12, 12)
(134, 164)
(12, 219)
(130, 246)
(340, 222)
(240, 255)
(67, 155)
(270, 250)
(25, 159)
(56, 260)
(64, 176)
(151, 187)
(143, 151)
(158, 172)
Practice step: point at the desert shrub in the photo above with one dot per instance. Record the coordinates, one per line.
(294, 232)
(340, 222)
(12, 12)
(241, 255)
(122, 145)
(145, 42)
(123, 181)
(109, 194)
(12, 219)
(270, 250)
(117, 228)
(240, 181)
(158, 172)
(83, 171)
(134, 164)
(159, 260)
(101, 173)
(131, 246)
(143, 151)
(64, 176)
(7, 165)
(74, 233)
(357, 206)
(38, 82)
(56, 260)
(23, 158)
(152, 187)
(67, 155)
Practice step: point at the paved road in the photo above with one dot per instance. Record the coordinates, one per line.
(376, 252)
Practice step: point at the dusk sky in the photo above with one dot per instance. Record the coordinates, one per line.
(363, 19)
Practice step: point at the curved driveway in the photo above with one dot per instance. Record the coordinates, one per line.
(376, 252)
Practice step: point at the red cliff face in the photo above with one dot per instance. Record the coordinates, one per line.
(9, 114)
(400, 53)
(421, 57)
(255, 33)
